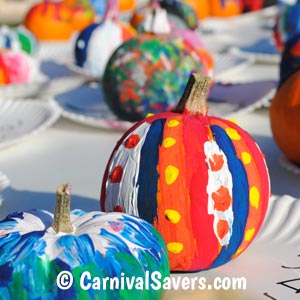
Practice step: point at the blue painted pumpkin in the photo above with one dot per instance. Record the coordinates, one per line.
(36, 246)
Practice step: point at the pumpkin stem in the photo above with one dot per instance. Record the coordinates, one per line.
(61, 219)
(194, 96)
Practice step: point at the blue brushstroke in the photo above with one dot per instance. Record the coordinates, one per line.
(82, 42)
(240, 195)
(148, 174)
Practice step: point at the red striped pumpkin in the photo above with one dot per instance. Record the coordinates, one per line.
(201, 180)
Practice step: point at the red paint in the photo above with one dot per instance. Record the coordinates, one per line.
(116, 174)
(132, 141)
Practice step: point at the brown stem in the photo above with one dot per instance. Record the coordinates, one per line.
(195, 95)
(61, 219)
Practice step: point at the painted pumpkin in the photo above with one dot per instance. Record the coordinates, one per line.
(18, 38)
(201, 180)
(95, 44)
(287, 23)
(251, 5)
(36, 246)
(82, 16)
(17, 67)
(284, 118)
(126, 5)
(50, 21)
(146, 73)
(225, 8)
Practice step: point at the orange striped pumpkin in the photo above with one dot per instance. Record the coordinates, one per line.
(201, 180)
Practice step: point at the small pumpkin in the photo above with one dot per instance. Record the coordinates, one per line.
(36, 246)
(284, 118)
(95, 44)
(126, 5)
(225, 8)
(201, 7)
(50, 21)
(201, 180)
(18, 38)
(148, 72)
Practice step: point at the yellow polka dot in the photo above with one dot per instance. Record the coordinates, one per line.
(233, 134)
(149, 115)
(246, 158)
(239, 251)
(169, 142)
(254, 196)
(249, 234)
(173, 215)
(174, 247)
(234, 121)
(173, 123)
(171, 174)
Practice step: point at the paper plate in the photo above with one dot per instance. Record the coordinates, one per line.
(86, 105)
(20, 119)
(270, 266)
(55, 77)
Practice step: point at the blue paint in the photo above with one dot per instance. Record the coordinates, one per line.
(81, 45)
(148, 174)
(240, 196)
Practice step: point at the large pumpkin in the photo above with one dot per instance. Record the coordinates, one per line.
(284, 118)
(36, 246)
(201, 180)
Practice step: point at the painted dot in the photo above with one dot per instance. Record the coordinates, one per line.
(132, 141)
(222, 199)
(173, 123)
(118, 208)
(246, 158)
(234, 121)
(149, 115)
(222, 228)
(233, 134)
(171, 174)
(81, 44)
(174, 247)
(116, 174)
(216, 162)
(169, 142)
(239, 251)
(172, 215)
(254, 196)
(249, 234)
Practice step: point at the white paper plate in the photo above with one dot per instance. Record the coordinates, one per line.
(20, 119)
(56, 77)
(271, 265)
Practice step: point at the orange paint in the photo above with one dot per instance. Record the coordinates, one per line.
(201, 7)
(231, 8)
(222, 199)
(216, 162)
(222, 228)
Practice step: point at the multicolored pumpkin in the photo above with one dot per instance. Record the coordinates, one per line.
(18, 38)
(225, 8)
(201, 180)
(36, 246)
(17, 67)
(95, 44)
(284, 118)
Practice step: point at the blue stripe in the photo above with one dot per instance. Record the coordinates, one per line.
(240, 195)
(148, 174)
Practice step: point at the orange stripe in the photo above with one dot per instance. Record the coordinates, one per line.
(173, 197)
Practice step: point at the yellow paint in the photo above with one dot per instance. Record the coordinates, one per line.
(173, 215)
(171, 174)
(254, 196)
(234, 121)
(169, 142)
(149, 115)
(239, 251)
(233, 134)
(249, 234)
(246, 158)
(174, 247)
(173, 123)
